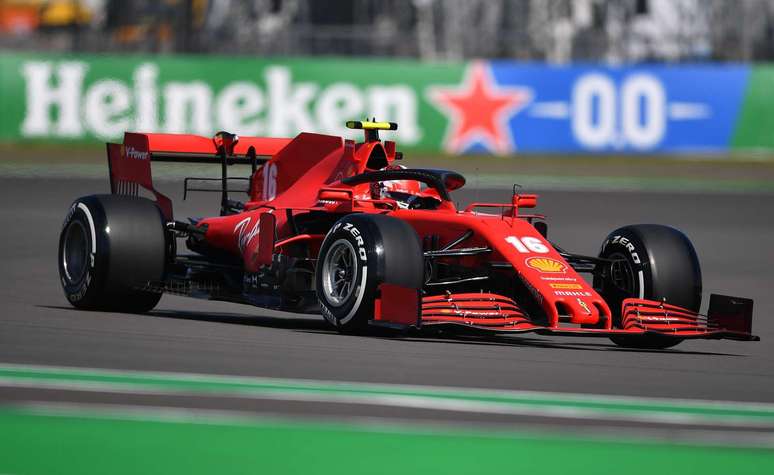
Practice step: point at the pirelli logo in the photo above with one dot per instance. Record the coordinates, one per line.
(565, 286)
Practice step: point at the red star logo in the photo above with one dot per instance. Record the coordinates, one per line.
(479, 110)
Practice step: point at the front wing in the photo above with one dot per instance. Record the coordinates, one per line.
(727, 318)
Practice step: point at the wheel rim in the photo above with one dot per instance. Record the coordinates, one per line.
(75, 252)
(339, 272)
(622, 275)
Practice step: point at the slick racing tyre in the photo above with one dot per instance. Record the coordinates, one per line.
(360, 252)
(653, 262)
(110, 248)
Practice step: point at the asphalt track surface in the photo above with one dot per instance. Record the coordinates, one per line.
(731, 232)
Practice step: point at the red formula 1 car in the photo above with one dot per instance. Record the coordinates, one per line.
(338, 227)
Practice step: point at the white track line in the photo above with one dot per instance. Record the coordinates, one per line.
(406, 402)
(344, 385)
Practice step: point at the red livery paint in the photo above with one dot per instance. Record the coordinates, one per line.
(320, 221)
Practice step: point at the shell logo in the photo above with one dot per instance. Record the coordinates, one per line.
(546, 264)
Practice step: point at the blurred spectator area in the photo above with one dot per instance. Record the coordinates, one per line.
(547, 30)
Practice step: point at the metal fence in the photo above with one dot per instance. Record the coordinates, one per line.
(546, 30)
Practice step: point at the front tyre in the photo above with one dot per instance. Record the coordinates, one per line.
(360, 252)
(652, 262)
(110, 248)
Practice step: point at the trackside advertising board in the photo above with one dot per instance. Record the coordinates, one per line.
(498, 107)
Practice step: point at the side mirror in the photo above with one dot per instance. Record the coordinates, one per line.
(524, 201)
(334, 195)
(453, 181)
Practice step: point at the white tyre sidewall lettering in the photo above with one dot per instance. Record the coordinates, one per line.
(75, 291)
(636, 259)
(360, 293)
(356, 239)
(86, 211)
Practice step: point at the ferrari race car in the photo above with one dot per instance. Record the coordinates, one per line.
(339, 228)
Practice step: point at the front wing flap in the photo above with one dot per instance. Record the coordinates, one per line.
(727, 318)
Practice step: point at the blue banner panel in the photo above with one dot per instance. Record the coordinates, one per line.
(628, 109)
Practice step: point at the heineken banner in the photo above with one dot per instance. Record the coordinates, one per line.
(498, 107)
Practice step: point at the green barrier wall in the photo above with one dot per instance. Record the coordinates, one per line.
(755, 126)
(96, 98)
(491, 107)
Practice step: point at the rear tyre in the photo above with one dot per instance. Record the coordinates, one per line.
(110, 248)
(360, 252)
(654, 262)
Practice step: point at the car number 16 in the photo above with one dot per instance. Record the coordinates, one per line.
(527, 244)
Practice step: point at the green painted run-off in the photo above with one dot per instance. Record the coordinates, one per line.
(40, 442)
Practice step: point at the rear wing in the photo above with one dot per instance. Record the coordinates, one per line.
(130, 168)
